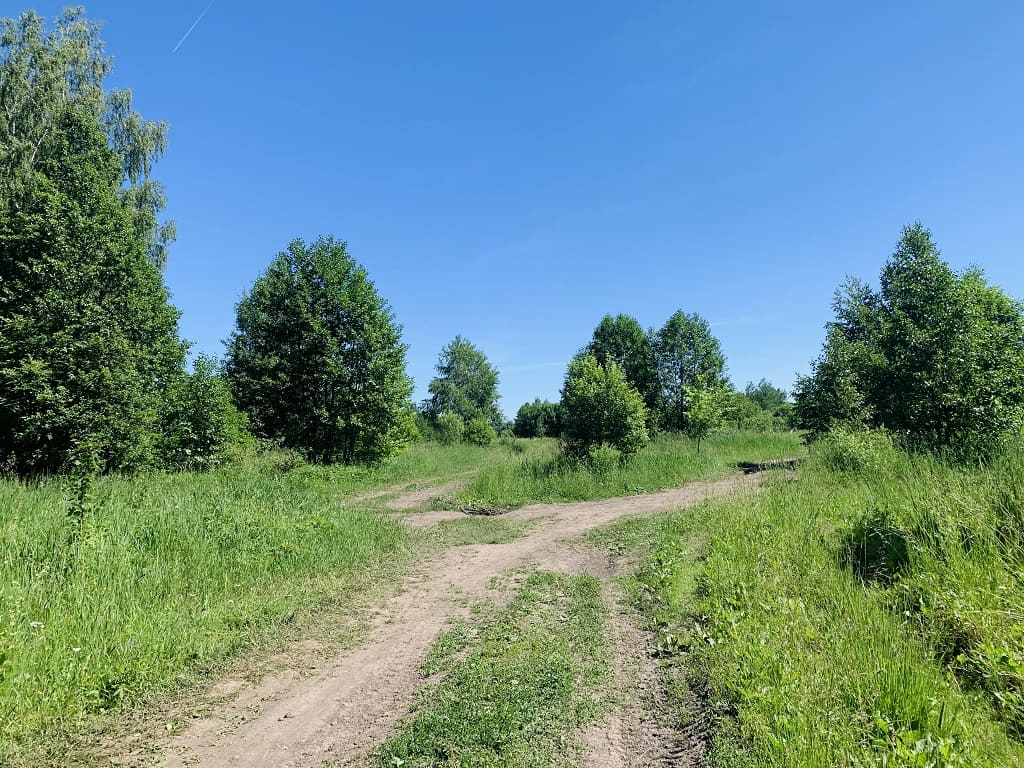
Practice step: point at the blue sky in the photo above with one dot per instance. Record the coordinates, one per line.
(513, 171)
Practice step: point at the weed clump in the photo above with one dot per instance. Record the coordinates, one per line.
(603, 459)
(856, 451)
(876, 549)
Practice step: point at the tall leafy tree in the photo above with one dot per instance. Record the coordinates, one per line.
(466, 384)
(88, 341)
(935, 356)
(46, 74)
(835, 391)
(317, 362)
(688, 357)
(620, 338)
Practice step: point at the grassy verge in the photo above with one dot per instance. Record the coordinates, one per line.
(514, 689)
(156, 578)
(869, 613)
(668, 461)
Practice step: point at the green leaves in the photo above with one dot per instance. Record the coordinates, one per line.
(88, 340)
(538, 419)
(621, 339)
(53, 77)
(707, 404)
(317, 361)
(200, 423)
(934, 356)
(601, 408)
(466, 385)
(687, 356)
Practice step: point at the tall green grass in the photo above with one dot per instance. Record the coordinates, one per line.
(157, 576)
(869, 613)
(668, 461)
(423, 461)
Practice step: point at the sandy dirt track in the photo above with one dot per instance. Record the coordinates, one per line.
(348, 706)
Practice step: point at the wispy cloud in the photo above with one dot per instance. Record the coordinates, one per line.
(194, 25)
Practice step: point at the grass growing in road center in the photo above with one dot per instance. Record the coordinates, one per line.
(514, 689)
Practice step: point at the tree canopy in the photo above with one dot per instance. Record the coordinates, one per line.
(88, 341)
(706, 408)
(622, 339)
(466, 384)
(688, 357)
(767, 396)
(317, 361)
(47, 76)
(538, 419)
(934, 356)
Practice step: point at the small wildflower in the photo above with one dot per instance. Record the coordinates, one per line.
(37, 625)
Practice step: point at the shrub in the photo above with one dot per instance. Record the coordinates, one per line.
(201, 425)
(706, 403)
(858, 451)
(408, 427)
(479, 431)
(601, 408)
(449, 428)
(514, 445)
(603, 459)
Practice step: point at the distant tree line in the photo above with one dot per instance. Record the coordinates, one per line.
(669, 379)
(93, 369)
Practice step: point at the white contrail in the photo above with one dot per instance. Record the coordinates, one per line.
(194, 25)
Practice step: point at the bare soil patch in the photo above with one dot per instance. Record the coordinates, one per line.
(423, 496)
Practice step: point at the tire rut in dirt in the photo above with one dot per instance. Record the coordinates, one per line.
(641, 729)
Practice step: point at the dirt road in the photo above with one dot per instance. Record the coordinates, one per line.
(345, 709)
